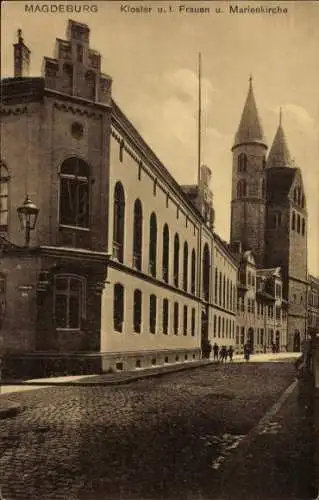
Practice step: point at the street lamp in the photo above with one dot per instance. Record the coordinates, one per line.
(28, 215)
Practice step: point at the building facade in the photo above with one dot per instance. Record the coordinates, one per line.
(123, 268)
(313, 306)
(119, 271)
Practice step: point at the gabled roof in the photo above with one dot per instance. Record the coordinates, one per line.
(279, 155)
(250, 129)
(279, 182)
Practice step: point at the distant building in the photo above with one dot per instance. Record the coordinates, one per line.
(313, 306)
(269, 214)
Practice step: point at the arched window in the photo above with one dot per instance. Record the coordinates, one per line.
(118, 307)
(90, 81)
(219, 326)
(224, 291)
(302, 201)
(165, 316)
(216, 285)
(68, 77)
(299, 196)
(165, 259)
(193, 322)
(118, 222)
(153, 311)
(185, 320)
(193, 272)
(303, 227)
(298, 223)
(227, 294)
(2, 298)
(242, 162)
(185, 267)
(176, 313)
(241, 188)
(137, 311)
(153, 245)
(69, 302)
(295, 195)
(220, 288)
(293, 221)
(263, 188)
(74, 193)
(215, 325)
(176, 260)
(137, 235)
(206, 272)
(4, 198)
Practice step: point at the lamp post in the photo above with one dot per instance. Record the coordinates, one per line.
(28, 215)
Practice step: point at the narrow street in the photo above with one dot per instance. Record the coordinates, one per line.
(163, 438)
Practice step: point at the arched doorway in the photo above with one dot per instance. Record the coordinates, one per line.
(296, 347)
(250, 339)
(277, 341)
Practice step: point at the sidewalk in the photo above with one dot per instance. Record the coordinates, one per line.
(276, 463)
(125, 377)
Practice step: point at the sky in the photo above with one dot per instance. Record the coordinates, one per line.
(153, 60)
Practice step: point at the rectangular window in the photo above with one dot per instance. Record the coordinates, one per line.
(137, 312)
(2, 299)
(68, 302)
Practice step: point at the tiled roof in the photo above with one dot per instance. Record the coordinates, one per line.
(279, 155)
(250, 129)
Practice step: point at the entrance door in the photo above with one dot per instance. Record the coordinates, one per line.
(250, 339)
(277, 341)
(296, 341)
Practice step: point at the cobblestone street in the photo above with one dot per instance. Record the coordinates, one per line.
(161, 438)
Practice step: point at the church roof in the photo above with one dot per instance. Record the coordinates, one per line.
(250, 129)
(279, 181)
(279, 155)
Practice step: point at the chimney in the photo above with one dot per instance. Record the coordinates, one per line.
(21, 57)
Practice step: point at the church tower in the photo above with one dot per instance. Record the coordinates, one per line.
(248, 206)
(286, 233)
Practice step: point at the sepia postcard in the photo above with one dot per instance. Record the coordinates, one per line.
(159, 263)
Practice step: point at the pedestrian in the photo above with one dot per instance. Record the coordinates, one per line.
(246, 352)
(230, 353)
(215, 351)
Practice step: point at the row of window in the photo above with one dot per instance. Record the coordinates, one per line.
(299, 198)
(260, 336)
(118, 247)
(225, 291)
(242, 161)
(118, 314)
(4, 188)
(224, 327)
(242, 189)
(298, 223)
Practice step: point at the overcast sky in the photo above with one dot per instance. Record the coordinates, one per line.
(152, 59)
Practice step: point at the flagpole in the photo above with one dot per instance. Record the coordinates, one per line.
(199, 114)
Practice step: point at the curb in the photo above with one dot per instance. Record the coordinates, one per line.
(10, 410)
(236, 457)
(120, 381)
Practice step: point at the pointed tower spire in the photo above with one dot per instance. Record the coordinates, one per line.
(250, 129)
(279, 155)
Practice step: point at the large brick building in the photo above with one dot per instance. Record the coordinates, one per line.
(119, 272)
(124, 268)
(269, 212)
